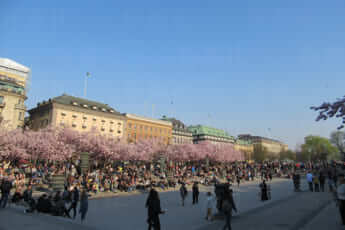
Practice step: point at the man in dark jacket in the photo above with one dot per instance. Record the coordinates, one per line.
(195, 193)
(75, 200)
(153, 206)
(227, 206)
(322, 179)
(6, 187)
(27, 197)
(183, 193)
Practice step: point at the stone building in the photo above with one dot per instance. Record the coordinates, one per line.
(180, 133)
(78, 114)
(246, 147)
(204, 133)
(141, 128)
(13, 89)
(272, 146)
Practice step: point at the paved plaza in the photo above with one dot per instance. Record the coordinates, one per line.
(286, 210)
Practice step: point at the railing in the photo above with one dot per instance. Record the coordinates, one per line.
(20, 106)
(13, 90)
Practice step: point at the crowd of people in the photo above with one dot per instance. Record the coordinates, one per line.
(23, 179)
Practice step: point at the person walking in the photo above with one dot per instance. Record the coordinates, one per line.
(183, 193)
(322, 180)
(341, 198)
(310, 181)
(195, 193)
(264, 191)
(153, 206)
(27, 197)
(74, 200)
(316, 183)
(209, 206)
(6, 187)
(227, 206)
(84, 204)
(238, 179)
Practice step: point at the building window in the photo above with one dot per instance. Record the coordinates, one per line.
(119, 132)
(135, 126)
(20, 116)
(1, 99)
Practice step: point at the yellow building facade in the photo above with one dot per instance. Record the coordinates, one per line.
(78, 114)
(13, 87)
(271, 145)
(143, 128)
(246, 147)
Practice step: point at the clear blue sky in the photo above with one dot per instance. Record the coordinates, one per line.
(243, 66)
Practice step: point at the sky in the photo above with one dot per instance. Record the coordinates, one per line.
(243, 66)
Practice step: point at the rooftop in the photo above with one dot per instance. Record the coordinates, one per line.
(84, 103)
(250, 137)
(205, 130)
(148, 119)
(10, 64)
(177, 124)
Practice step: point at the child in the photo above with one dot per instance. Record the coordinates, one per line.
(209, 205)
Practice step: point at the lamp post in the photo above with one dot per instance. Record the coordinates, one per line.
(85, 83)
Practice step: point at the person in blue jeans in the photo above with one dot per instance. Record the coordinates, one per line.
(310, 181)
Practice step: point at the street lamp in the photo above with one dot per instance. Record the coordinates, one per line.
(85, 83)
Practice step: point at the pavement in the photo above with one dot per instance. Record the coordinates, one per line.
(287, 210)
(301, 211)
(16, 219)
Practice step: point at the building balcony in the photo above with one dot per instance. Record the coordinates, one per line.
(20, 107)
(19, 91)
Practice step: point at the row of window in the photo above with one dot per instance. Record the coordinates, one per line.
(180, 140)
(93, 107)
(103, 129)
(85, 118)
(134, 136)
(148, 128)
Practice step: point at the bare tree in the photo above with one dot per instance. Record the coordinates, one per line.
(329, 110)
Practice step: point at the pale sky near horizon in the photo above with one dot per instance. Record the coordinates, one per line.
(244, 66)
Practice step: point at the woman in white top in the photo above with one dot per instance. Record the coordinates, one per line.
(209, 206)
